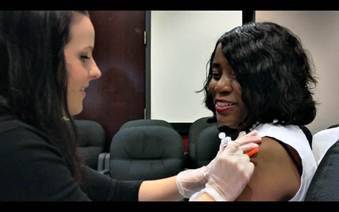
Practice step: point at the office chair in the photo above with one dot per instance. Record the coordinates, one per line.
(325, 184)
(194, 133)
(91, 141)
(146, 122)
(146, 153)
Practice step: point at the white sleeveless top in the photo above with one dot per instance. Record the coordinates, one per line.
(294, 137)
(322, 141)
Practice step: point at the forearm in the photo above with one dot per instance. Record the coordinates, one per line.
(159, 190)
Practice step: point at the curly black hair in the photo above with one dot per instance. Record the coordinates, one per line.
(274, 72)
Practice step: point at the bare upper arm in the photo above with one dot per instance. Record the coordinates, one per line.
(275, 176)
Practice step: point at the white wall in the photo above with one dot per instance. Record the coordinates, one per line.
(319, 33)
(181, 45)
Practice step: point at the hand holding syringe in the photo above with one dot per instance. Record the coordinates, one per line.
(225, 140)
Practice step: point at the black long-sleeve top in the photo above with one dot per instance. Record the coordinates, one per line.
(33, 169)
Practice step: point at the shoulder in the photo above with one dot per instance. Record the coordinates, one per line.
(270, 150)
(290, 136)
(281, 132)
(32, 168)
(294, 141)
(21, 141)
(275, 176)
(17, 130)
(273, 155)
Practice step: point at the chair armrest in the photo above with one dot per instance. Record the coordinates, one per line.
(103, 161)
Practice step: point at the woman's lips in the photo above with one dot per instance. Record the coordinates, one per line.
(83, 91)
(222, 107)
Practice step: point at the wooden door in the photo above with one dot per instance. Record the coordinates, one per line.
(119, 95)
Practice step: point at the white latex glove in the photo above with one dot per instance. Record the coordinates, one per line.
(244, 141)
(230, 171)
(191, 181)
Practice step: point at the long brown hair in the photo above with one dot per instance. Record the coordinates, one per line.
(33, 76)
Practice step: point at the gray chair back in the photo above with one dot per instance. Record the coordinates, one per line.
(194, 134)
(146, 153)
(91, 141)
(325, 182)
(146, 122)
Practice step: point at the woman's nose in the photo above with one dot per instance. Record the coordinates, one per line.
(95, 72)
(224, 84)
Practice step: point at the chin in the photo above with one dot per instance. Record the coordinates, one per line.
(227, 122)
(75, 111)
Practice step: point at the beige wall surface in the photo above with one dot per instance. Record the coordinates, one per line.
(319, 34)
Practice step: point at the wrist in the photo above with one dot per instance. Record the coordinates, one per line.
(191, 180)
(204, 174)
(207, 194)
(214, 193)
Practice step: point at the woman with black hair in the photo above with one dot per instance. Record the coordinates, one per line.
(259, 78)
(46, 64)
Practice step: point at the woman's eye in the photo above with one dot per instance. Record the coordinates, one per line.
(84, 57)
(216, 75)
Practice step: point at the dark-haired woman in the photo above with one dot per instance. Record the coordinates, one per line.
(46, 64)
(260, 79)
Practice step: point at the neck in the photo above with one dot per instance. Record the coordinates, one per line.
(233, 133)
